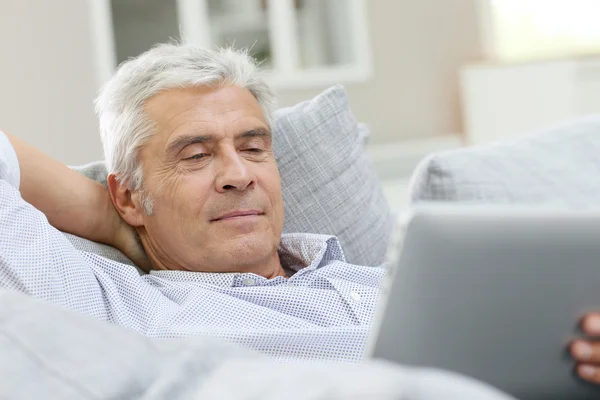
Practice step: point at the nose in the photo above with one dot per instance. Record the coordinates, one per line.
(233, 173)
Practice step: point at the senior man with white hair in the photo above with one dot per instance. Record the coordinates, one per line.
(188, 145)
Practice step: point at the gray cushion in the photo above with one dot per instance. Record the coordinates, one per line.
(558, 166)
(329, 185)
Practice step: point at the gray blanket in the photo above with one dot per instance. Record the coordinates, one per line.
(47, 352)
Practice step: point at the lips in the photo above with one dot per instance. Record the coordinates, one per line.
(237, 214)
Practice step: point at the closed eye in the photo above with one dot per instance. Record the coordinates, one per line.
(196, 156)
(254, 150)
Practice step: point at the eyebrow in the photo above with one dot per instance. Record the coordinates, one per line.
(181, 142)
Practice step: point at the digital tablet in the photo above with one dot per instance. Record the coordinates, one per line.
(492, 293)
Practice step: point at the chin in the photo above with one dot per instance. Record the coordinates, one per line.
(250, 249)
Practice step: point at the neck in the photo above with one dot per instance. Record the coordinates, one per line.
(273, 269)
(269, 268)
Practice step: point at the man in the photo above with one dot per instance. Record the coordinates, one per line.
(188, 146)
(187, 141)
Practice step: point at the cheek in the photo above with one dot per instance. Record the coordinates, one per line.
(167, 189)
(272, 185)
(187, 194)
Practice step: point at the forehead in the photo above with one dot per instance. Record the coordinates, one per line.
(174, 108)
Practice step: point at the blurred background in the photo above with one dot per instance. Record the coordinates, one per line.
(425, 75)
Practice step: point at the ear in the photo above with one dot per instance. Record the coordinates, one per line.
(127, 203)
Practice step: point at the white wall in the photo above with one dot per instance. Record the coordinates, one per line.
(504, 100)
(47, 77)
(418, 47)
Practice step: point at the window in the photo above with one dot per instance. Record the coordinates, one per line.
(524, 30)
(300, 42)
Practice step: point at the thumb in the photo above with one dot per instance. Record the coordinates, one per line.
(591, 324)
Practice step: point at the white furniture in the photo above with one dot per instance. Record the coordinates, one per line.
(301, 42)
(534, 78)
(502, 99)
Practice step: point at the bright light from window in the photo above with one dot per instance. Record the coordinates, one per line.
(534, 29)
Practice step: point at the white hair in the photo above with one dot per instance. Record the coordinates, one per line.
(125, 126)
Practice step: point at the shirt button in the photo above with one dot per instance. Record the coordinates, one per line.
(355, 296)
(249, 282)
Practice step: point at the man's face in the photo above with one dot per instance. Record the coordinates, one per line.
(211, 174)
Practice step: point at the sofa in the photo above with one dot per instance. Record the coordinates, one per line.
(555, 167)
(559, 166)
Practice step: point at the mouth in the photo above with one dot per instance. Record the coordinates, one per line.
(238, 214)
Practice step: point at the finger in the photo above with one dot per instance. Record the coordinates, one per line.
(590, 324)
(586, 352)
(589, 372)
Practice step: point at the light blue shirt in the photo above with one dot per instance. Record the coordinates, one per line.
(323, 311)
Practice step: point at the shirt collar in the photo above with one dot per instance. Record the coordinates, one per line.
(297, 251)
(301, 250)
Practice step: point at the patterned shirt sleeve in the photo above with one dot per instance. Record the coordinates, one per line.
(35, 258)
(9, 165)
